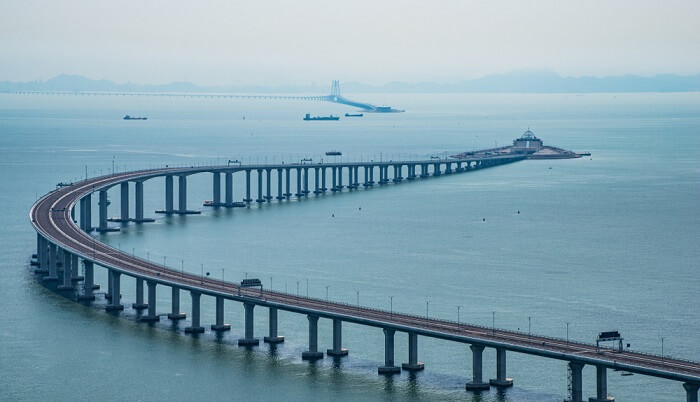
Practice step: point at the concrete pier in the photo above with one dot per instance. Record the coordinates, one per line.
(138, 204)
(306, 182)
(67, 268)
(313, 353)
(124, 189)
(86, 213)
(338, 349)
(317, 189)
(139, 305)
(413, 363)
(115, 302)
(152, 316)
(601, 386)
(436, 169)
(280, 194)
(228, 188)
(298, 193)
(102, 204)
(501, 380)
(389, 367)
(220, 326)
(334, 172)
(287, 175)
(176, 314)
(691, 391)
(268, 180)
(216, 189)
(350, 173)
(195, 328)
(273, 337)
(323, 179)
(53, 264)
(182, 197)
(249, 338)
(576, 381)
(89, 282)
(75, 270)
(477, 383)
(260, 198)
(340, 178)
(247, 198)
(371, 175)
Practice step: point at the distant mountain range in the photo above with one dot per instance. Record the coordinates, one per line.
(518, 81)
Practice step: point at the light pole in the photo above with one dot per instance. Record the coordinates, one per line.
(148, 256)
(222, 275)
(270, 283)
(458, 307)
(567, 332)
(246, 274)
(182, 267)
(326, 292)
(202, 265)
(133, 251)
(297, 288)
(164, 257)
(307, 288)
(662, 350)
(112, 164)
(391, 306)
(358, 298)
(427, 306)
(529, 327)
(493, 322)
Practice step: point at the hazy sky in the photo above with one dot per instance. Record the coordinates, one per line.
(300, 42)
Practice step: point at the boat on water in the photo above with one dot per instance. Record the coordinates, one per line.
(354, 115)
(127, 117)
(331, 117)
(334, 153)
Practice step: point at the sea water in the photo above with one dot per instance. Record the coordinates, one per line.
(603, 242)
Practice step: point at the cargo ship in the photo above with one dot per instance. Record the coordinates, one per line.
(127, 117)
(334, 153)
(331, 117)
(354, 115)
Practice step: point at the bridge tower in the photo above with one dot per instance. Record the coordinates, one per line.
(335, 88)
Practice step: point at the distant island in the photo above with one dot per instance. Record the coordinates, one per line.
(518, 81)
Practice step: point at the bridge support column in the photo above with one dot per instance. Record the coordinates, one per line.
(356, 183)
(102, 204)
(338, 349)
(601, 386)
(436, 169)
(317, 190)
(501, 380)
(280, 195)
(229, 188)
(89, 283)
(477, 383)
(247, 198)
(139, 305)
(323, 179)
(366, 183)
(287, 175)
(220, 326)
(448, 168)
(389, 367)
(115, 302)
(152, 316)
(88, 213)
(371, 175)
(175, 311)
(350, 178)
(216, 189)
(108, 294)
(168, 196)
(138, 208)
(340, 178)
(576, 381)
(423, 170)
(272, 336)
(53, 264)
(67, 268)
(75, 270)
(260, 198)
(413, 363)
(298, 193)
(306, 181)
(459, 167)
(124, 191)
(195, 328)
(691, 391)
(334, 172)
(41, 255)
(312, 353)
(249, 339)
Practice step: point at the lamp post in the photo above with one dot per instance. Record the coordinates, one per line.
(391, 306)
(182, 267)
(307, 288)
(326, 292)
(148, 256)
(427, 307)
(662, 350)
(567, 332)
(270, 283)
(297, 288)
(164, 257)
(222, 275)
(202, 265)
(493, 322)
(529, 326)
(458, 307)
(358, 298)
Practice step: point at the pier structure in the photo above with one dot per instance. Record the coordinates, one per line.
(61, 245)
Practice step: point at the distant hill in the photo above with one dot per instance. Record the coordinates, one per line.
(518, 81)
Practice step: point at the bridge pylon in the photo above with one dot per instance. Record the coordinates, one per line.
(335, 88)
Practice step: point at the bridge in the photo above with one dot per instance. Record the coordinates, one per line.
(61, 244)
(334, 97)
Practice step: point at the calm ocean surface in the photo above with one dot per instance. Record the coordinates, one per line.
(606, 242)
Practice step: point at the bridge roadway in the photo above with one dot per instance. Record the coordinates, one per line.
(51, 217)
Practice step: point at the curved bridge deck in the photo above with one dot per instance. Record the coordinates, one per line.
(51, 217)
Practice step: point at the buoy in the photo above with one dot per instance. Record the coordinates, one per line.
(518, 211)
(333, 216)
(484, 220)
(360, 208)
